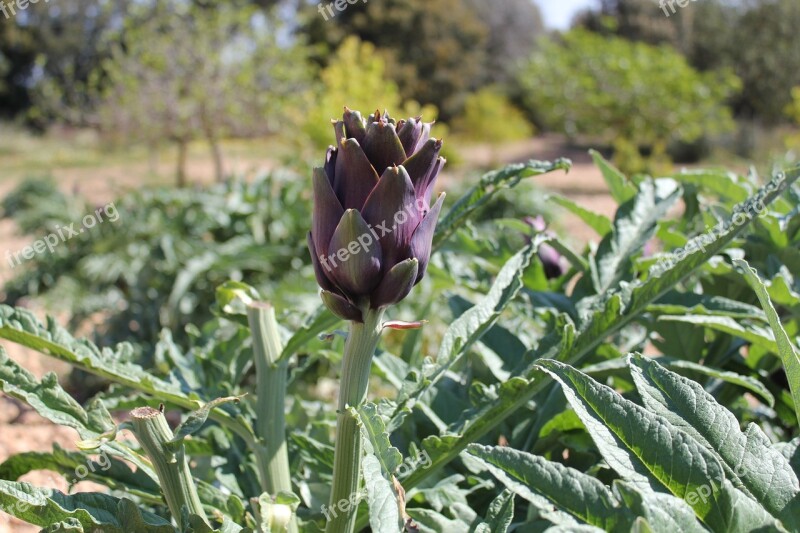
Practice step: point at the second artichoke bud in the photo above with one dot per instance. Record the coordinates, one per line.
(373, 224)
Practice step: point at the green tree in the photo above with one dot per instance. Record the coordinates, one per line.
(489, 117)
(356, 76)
(434, 51)
(610, 88)
(186, 72)
(513, 28)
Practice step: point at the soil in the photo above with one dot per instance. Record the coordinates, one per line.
(21, 429)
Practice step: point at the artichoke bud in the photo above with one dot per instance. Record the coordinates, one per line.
(373, 222)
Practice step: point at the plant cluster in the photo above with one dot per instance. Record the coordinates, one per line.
(527, 402)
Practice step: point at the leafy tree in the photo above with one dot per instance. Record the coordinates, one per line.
(488, 116)
(513, 26)
(186, 73)
(357, 76)
(50, 50)
(768, 62)
(435, 51)
(610, 88)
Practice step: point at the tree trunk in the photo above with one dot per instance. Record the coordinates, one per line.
(183, 148)
(216, 154)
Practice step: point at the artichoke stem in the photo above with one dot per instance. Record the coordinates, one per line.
(272, 375)
(153, 433)
(356, 364)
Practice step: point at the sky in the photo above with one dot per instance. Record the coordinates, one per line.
(558, 13)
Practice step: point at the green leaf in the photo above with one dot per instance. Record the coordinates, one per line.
(619, 186)
(52, 402)
(634, 224)
(784, 346)
(725, 184)
(22, 327)
(531, 477)
(646, 449)
(467, 329)
(93, 511)
(109, 471)
(320, 321)
(620, 366)
(511, 395)
(607, 317)
(500, 514)
(600, 223)
(689, 303)
(750, 459)
(379, 465)
(489, 185)
(750, 332)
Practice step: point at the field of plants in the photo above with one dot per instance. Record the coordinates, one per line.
(569, 303)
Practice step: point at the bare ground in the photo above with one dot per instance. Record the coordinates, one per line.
(21, 429)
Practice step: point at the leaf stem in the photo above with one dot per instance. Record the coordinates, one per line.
(356, 365)
(169, 461)
(272, 375)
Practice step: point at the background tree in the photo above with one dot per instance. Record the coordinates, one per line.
(435, 51)
(356, 76)
(182, 73)
(609, 88)
(513, 27)
(52, 49)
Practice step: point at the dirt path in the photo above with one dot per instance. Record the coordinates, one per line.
(23, 430)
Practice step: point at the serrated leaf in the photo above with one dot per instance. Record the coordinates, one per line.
(581, 495)
(784, 347)
(93, 511)
(619, 186)
(52, 402)
(499, 515)
(379, 465)
(489, 184)
(749, 457)
(109, 471)
(468, 328)
(634, 224)
(689, 303)
(649, 451)
(610, 315)
(750, 332)
(600, 223)
(22, 327)
(374, 431)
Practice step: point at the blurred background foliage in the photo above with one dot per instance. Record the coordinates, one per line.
(107, 85)
(625, 76)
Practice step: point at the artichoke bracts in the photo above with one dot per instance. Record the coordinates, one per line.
(373, 224)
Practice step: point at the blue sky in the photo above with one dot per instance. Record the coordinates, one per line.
(558, 13)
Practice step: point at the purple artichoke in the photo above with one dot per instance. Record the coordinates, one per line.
(372, 224)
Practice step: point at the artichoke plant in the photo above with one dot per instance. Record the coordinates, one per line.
(373, 223)
(370, 243)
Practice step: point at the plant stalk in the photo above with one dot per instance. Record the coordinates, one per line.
(272, 375)
(356, 364)
(153, 433)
